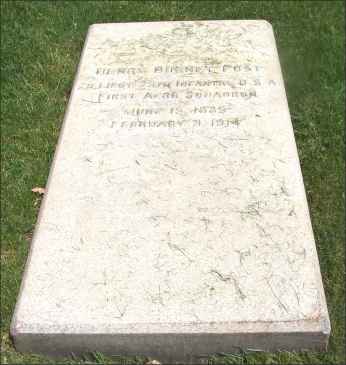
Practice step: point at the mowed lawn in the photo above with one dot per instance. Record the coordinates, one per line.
(41, 44)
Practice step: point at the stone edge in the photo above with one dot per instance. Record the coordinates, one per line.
(172, 346)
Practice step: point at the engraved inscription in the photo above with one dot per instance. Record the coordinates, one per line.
(167, 90)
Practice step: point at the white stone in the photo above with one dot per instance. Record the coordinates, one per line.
(175, 222)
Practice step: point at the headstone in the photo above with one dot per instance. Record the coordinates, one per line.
(175, 223)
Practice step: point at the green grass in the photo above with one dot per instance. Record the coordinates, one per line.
(41, 45)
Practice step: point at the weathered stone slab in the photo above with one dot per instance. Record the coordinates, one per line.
(175, 222)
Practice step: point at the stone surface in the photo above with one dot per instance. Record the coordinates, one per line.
(175, 222)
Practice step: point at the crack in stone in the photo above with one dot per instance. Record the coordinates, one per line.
(232, 279)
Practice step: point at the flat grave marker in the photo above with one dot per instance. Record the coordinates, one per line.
(175, 223)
